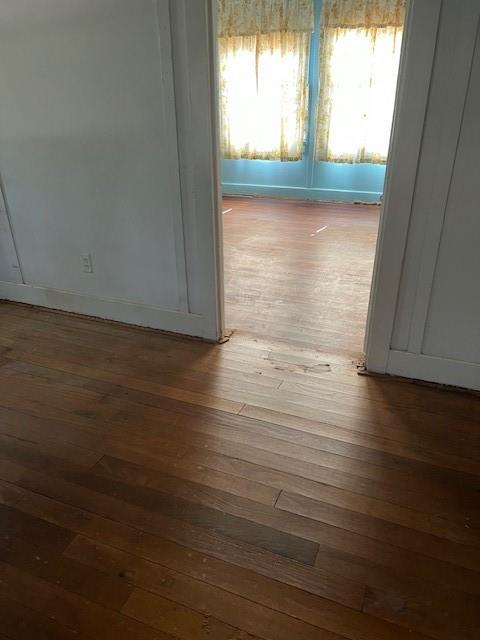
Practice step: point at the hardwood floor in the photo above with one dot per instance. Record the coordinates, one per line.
(154, 487)
(300, 272)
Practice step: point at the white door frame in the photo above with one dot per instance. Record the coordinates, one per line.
(218, 226)
(194, 40)
(418, 53)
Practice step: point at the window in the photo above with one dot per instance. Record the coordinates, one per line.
(359, 59)
(264, 53)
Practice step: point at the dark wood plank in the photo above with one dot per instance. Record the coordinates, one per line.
(377, 529)
(174, 618)
(437, 617)
(325, 514)
(170, 455)
(81, 616)
(21, 623)
(200, 514)
(265, 563)
(207, 569)
(36, 546)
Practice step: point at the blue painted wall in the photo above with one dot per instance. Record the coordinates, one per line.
(306, 178)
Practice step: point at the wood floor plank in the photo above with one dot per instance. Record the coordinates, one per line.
(36, 429)
(359, 461)
(335, 538)
(365, 449)
(198, 592)
(463, 508)
(31, 430)
(340, 419)
(396, 535)
(21, 623)
(81, 616)
(36, 546)
(242, 612)
(255, 587)
(131, 474)
(164, 614)
(277, 481)
(345, 464)
(432, 617)
(39, 456)
(206, 513)
(413, 446)
(327, 585)
(229, 399)
(342, 489)
(289, 433)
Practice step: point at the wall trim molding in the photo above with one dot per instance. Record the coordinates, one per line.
(416, 65)
(305, 193)
(110, 309)
(170, 120)
(434, 369)
(195, 81)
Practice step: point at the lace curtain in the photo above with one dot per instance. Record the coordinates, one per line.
(360, 42)
(264, 52)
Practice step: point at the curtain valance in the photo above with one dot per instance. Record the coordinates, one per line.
(371, 14)
(254, 17)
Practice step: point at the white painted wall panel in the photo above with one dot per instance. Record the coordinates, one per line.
(448, 87)
(432, 332)
(453, 323)
(91, 163)
(85, 147)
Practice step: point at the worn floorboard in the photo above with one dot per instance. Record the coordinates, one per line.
(154, 487)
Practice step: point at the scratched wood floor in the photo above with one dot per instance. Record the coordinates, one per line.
(160, 488)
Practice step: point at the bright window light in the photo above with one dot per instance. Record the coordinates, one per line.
(263, 98)
(362, 74)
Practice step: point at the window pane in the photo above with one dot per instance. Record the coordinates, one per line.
(264, 95)
(358, 102)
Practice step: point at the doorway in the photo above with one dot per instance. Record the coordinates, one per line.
(302, 192)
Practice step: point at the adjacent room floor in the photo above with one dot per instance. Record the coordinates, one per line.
(299, 272)
(154, 487)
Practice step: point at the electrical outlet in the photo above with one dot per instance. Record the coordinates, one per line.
(87, 264)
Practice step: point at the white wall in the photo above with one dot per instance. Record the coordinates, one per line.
(93, 93)
(425, 308)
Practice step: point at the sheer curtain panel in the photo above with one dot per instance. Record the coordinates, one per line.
(360, 42)
(264, 55)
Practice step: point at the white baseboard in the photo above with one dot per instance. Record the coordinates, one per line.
(109, 309)
(434, 369)
(303, 193)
